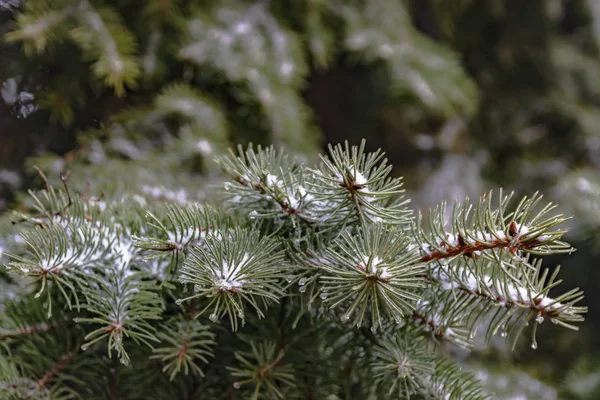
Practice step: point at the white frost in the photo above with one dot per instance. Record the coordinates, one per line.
(229, 277)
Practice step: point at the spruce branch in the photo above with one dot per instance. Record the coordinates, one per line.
(353, 186)
(372, 268)
(188, 102)
(40, 24)
(266, 185)
(232, 269)
(401, 365)
(478, 293)
(50, 365)
(24, 331)
(183, 345)
(64, 256)
(24, 318)
(476, 229)
(13, 386)
(451, 382)
(247, 44)
(263, 370)
(382, 32)
(106, 40)
(123, 304)
(54, 371)
(440, 323)
(182, 227)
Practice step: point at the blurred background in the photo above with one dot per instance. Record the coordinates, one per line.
(464, 96)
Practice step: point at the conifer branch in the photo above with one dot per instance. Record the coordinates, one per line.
(54, 371)
(264, 371)
(25, 331)
(183, 344)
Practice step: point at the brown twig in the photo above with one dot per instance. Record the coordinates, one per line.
(63, 178)
(25, 331)
(55, 370)
(513, 244)
(285, 207)
(44, 178)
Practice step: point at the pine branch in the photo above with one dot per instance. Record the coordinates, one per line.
(400, 367)
(373, 267)
(40, 24)
(525, 230)
(467, 295)
(124, 305)
(185, 343)
(231, 269)
(263, 371)
(54, 371)
(376, 31)
(103, 36)
(24, 331)
(353, 185)
(247, 44)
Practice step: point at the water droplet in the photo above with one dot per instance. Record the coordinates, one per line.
(373, 329)
(289, 278)
(539, 319)
(240, 314)
(345, 317)
(84, 347)
(534, 345)
(302, 289)
(124, 361)
(302, 281)
(213, 317)
(503, 334)
(323, 295)
(178, 301)
(182, 280)
(236, 385)
(554, 321)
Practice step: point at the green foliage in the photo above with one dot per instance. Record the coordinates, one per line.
(156, 90)
(240, 268)
(371, 268)
(402, 367)
(260, 53)
(330, 285)
(189, 342)
(262, 372)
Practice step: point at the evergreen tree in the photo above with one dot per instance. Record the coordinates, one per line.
(309, 281)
